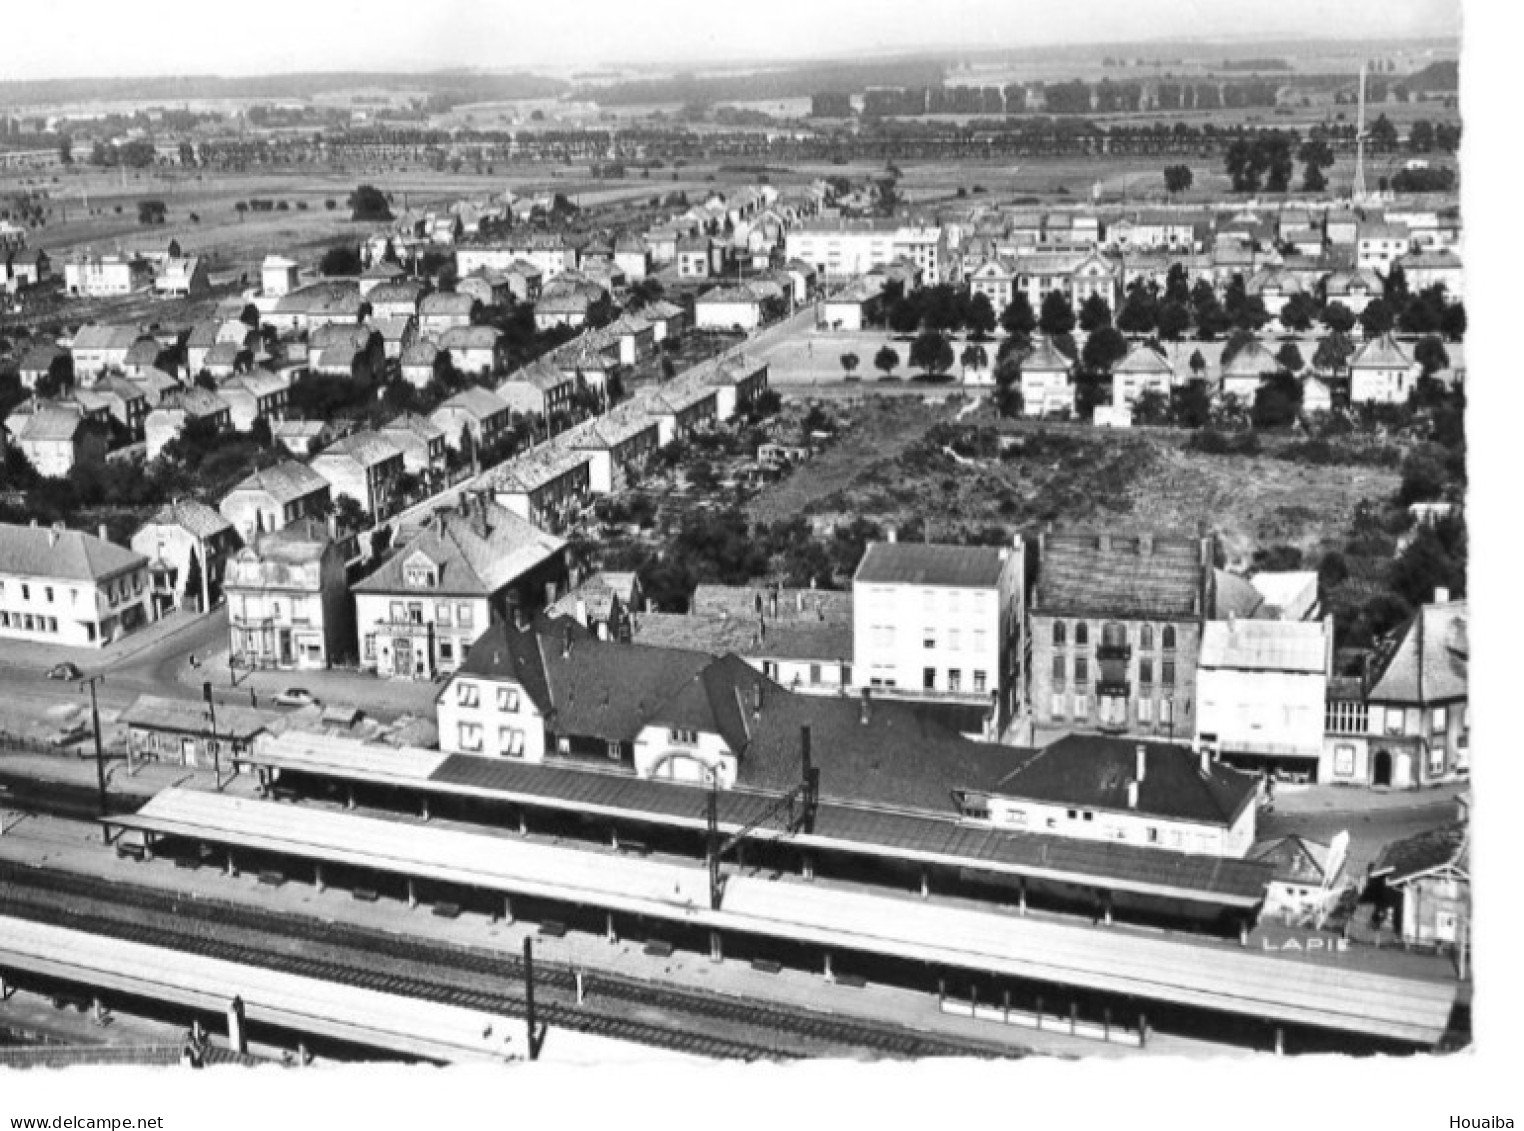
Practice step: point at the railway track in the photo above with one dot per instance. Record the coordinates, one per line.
(614, 1006)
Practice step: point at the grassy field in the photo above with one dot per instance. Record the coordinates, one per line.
(885, 469)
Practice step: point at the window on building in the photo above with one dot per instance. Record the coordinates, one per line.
(470, 736)
(442, 614)
(1167, 673)
(1393, 719)
(929, 637)
(615, 751)
(1439, 720)
(928, 600)
(370, 646)
(683, 737)
(26, 592)
(1153, 835)
(1437, 758)
(508, 699)
(463, 614)
(980, 681)
(414, 612)
(928, 679)
(47, 594)
(1081, 634)
(467, 695)
(954, 679)
(399, 613)
(1146, 672)
(980, 639)
(563, 745)
(1058, 671)
(1168, 638)
(1344, 761)
(1166, 711)
(952, 640)
(1081, 706)
(447, 651)
(770, 669)
(1058, 705)
(1146, 637)
(511, 742)
(1058, 634)
(1113, 635)
(1081, 671)
(1145, 710)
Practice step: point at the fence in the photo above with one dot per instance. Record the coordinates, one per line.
(1048, 1023)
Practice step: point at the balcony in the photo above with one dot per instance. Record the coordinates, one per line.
(1107, 689)
(1121, 652)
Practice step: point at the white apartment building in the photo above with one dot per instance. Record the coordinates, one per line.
(62, 586)
(847, 248)
(940, 622)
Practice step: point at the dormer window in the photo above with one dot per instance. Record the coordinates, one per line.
(419, 573)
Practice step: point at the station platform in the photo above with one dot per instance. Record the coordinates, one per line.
(69, 846)
(1328, 993)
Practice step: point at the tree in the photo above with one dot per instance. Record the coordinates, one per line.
(369, 203)
(904, 316)
(1103, 349)
(66, 150)
(979, 317)
(1421, 136)
(1008, 400)
(1289, 358)
(1139, 313)
(1395, 286)
(1191, 403)
(1094, 313)
(1333, 351)
(887, 359)
(58, 379)
(1377, 318)
(1430, 353)
(1338, 318)
(932, 353)
(849, 362)
(1178, 178)
(1173, 320)
(151, 211)
(1198, 365)
(340, 261)
(1151, 407)
(1297, 313)
(1276, 401)
(1017, 318)
(242, 208)
(1057, 314)
(1452, 322)
(1316, 155)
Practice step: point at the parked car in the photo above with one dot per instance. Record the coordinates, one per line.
(65, 670)
(69, 735)
(295, 697)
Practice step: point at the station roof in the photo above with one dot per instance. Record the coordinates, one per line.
(1204, 973)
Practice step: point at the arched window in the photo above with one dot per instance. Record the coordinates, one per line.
(1146, 637)
(1169, 638)
(1081, 634)
(1113, 635)
(1058, 634)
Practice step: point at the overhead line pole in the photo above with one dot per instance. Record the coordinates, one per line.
(100, 752)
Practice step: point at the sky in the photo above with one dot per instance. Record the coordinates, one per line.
(101, 38)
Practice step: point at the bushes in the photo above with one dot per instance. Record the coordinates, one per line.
(1210, 441)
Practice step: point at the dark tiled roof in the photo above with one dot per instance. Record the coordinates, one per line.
(911, 563)
(1428, 659)
(71, 555)
(1077, 576)
(1095, 771)
(1434, 848)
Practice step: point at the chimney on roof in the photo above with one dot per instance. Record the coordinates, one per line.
(756, 700)
(772, 605)
(1132, 795)
(1204, 757)
(1142, 761)
(799, 602)
(1441, 595)
(105, 536)
(866, 712)
(892, 535)
(566, 643)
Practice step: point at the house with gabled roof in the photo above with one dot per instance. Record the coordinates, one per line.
(474, 350)
(1307, 876)
(1354, 289)
(422, 362)
(288, 600)
(422, 443)
(443, 311)
(329, 302)
(396, 299)
(96, 349)
(125, 402)
(169, 418)
(274, 497)
(364, 466)
(56, 437)
(544, 485)
(1115, 625)
(256, 395)
(1150, 794)
(1046, 384)
(1382, 372)
(477, 412)
(301, 437)
(1246, 369)
(1144, 369)
(60, 586)
(619, 443)
(1426, 880)
(187, 544)
(38, 361)
(469, 565)
(182, 277)
(541, 388)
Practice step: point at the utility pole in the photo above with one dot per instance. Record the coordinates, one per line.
(536, 1032)
(211, 710)
(100, 753)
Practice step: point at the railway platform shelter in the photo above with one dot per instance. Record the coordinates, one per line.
(1180, 972)
(1157, 880)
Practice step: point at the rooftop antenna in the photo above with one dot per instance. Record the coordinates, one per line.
(1358, 193)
